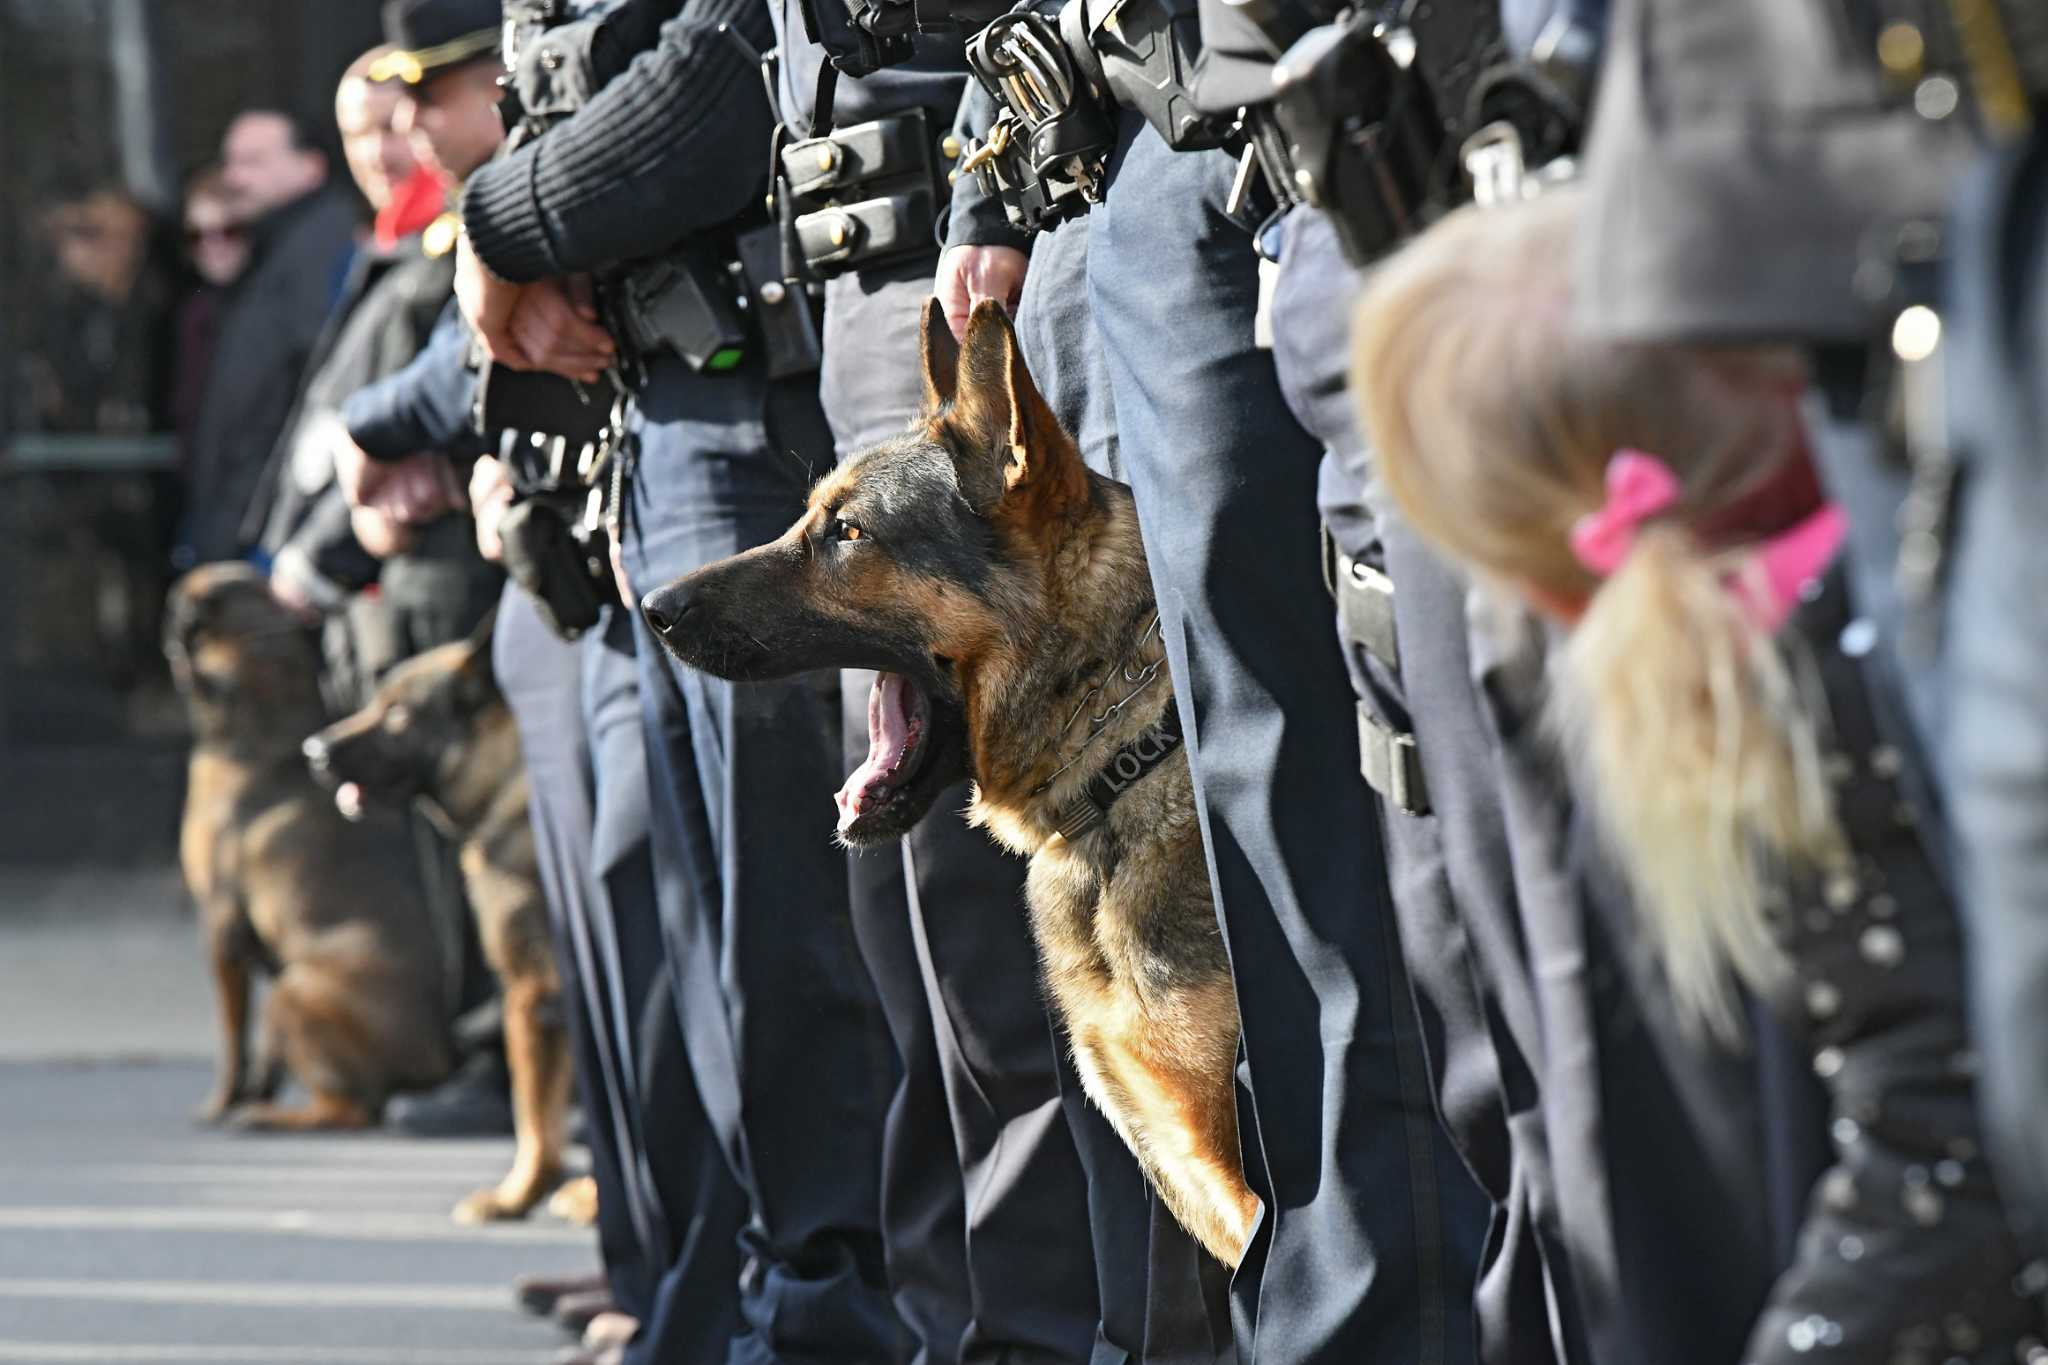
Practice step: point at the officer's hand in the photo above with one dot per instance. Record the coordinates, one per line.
(355, 473)
(293, 596)
(413, 491)
(969, 274)
(537, 326)
(557, 330)
(490, 495)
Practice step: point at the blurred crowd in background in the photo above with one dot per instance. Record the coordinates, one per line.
(133, 191)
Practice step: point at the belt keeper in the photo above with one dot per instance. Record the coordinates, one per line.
(1391, 764)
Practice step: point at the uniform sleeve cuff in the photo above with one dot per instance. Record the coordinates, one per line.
(502, 217)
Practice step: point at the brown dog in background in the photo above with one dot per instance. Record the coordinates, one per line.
(438, 732)
(285, 886)
(1001, 589)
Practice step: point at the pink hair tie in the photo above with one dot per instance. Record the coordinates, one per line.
(1641, 486)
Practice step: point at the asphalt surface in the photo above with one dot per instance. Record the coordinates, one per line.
(128, 1234)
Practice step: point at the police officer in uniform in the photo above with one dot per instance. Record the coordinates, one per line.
(783, 1034)
(670, 1210)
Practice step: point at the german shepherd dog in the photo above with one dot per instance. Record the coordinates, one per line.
(438, 732)
(1001, 589)
(286, 886)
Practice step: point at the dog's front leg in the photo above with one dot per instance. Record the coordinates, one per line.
(231, 990)
(537, 1055)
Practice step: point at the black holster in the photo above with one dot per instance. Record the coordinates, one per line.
(569, 579)
(1354, 131)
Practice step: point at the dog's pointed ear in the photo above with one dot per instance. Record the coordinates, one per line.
(941, 357)
(1003, 413)
(480, 637)
(476, 678)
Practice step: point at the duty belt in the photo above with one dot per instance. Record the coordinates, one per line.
(864, 195)
(1365, 610)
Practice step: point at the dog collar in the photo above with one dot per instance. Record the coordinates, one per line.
(1154, 745)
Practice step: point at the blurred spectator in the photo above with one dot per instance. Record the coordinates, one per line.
(217, 249)
(321, 554)
(300, 235)
(379, 159)
(97, 358)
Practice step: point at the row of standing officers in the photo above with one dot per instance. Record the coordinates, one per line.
(829, 1116)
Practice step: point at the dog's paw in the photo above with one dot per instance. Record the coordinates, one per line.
(489, 1205)
(575, 1202)
(215, 1109)
(248, 1118)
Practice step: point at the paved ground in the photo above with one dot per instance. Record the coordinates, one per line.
(129, 1235)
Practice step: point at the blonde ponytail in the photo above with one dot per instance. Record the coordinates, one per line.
(1694, 741)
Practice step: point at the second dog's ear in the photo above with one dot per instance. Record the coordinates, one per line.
(941, 358)
(480, 637)
(477, 680)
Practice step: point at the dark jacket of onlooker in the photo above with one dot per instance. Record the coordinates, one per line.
(267, 332)
(393, 300)
(197, 337)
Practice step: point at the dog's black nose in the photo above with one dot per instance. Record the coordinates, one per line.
(315, 750)
(665, 608)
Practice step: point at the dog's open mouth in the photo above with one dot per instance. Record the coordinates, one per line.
(899, 723)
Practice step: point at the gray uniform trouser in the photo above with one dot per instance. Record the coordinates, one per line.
(1355, 1255)
(1997, 649)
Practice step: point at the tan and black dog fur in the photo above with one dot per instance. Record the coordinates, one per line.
(438, 732)
(286, 886)
(1001, 588)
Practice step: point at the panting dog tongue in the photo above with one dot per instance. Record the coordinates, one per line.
(892, 729)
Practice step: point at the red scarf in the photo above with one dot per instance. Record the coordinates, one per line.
(415, 202)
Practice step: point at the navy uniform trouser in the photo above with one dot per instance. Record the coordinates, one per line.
(1163, 1299)
(668, 1212)
(1356, 1256)
(784, 1035)
(983, 1198)
(1452, 891)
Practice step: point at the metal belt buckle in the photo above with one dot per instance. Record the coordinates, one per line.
(1365, 606)
(1493, 158)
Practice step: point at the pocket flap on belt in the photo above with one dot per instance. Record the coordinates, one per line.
(851, 156)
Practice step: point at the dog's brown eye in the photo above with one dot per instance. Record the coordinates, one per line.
(846, 530)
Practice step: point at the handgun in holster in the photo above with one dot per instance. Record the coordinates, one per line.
(556, 535)
(554, 437)
(1355, 130)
